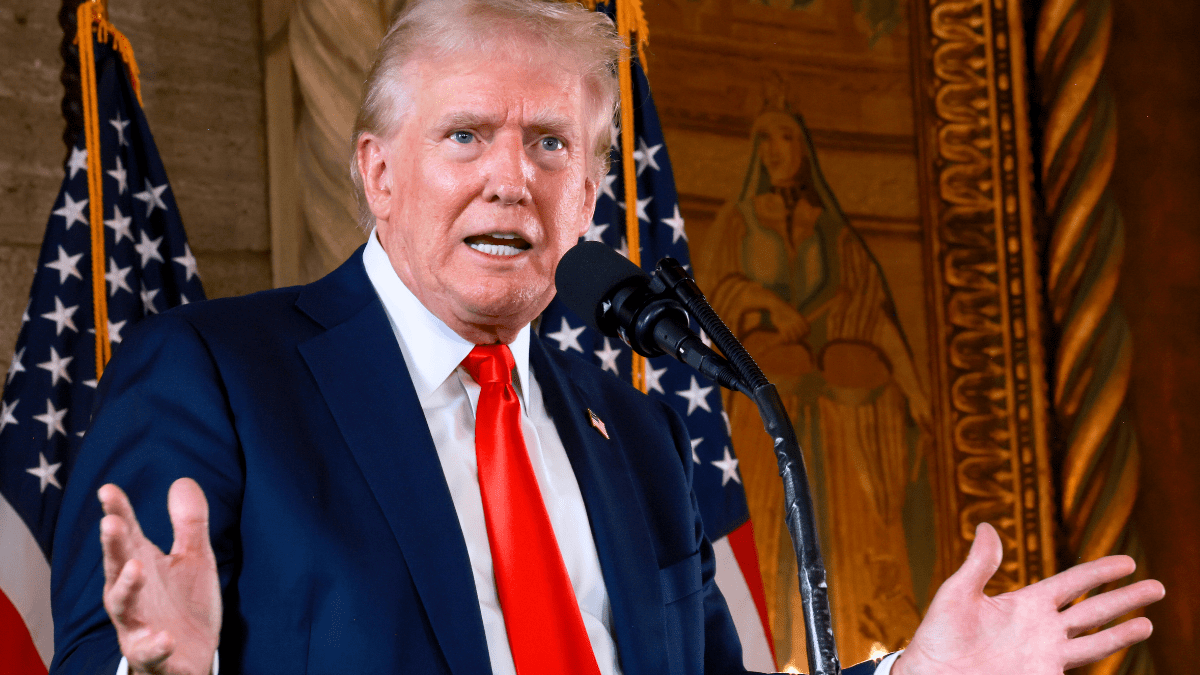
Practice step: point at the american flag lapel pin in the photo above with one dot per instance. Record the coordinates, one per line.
(597, 422)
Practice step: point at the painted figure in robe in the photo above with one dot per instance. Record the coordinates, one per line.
(799, 287)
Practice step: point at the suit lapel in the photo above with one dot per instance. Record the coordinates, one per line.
(362, 376)
(627, 557)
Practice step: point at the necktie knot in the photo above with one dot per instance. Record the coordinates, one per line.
(490, 364)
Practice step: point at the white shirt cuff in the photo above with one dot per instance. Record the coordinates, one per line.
(885, 666)
(123, 667)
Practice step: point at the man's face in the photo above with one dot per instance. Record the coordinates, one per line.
(484, 187)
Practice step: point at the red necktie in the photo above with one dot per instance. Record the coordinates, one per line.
(545, 629)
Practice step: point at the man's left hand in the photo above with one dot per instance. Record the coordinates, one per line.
(965, 632)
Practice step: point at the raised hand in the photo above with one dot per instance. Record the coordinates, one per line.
(1024, 632)
(166, 608)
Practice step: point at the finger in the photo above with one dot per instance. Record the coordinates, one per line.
(146, 650)
(982, 560)
(114, 541)
(1091, 648)
(1101, 609)
(115, 503)
(189, 517)
(1070, 584)
(121, 599)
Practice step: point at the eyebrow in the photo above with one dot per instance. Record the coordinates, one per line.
(542, 122)
(468, 120)
(546, 122)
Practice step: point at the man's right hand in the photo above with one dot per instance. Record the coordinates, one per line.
(166, 608)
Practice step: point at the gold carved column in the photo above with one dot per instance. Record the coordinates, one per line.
(1093, 356)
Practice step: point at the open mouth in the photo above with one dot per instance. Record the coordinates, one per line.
(498, 243)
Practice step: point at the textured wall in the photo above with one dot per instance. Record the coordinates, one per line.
(1153, 71)
(202, 87)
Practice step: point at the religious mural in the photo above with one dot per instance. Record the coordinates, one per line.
(799, 287)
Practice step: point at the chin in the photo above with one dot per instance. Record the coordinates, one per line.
(505, 300)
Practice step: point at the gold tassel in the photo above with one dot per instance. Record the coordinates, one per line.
(93, 15)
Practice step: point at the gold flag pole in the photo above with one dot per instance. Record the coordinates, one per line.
(631, 24)
(93, 15)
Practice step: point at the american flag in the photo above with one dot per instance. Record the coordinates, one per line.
(717, 483)
(48, 391)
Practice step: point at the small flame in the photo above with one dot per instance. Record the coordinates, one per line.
(878, 651)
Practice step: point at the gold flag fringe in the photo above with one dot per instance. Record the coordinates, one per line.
(93, 16)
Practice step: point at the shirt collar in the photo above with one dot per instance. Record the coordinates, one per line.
(431, 350)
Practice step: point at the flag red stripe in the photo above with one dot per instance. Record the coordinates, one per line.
(16, 646)
(741, 541)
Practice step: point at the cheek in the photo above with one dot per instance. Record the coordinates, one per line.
(562, 208)
(436, 205)
(442, 178)
(441, 182)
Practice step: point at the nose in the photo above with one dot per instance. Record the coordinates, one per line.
(509, 171)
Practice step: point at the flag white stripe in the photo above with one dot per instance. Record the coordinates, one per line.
(756, 654)
(25, 579)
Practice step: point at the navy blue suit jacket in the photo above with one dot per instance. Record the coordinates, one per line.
(337, 542)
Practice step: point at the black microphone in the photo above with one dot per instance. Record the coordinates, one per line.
(615, 297)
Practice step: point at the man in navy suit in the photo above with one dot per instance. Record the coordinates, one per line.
(331, 427)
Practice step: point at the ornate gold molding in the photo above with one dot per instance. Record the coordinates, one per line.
(984, 296)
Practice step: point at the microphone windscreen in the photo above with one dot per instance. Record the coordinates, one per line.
(590, 273)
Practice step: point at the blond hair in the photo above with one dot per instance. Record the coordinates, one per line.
(433, 29)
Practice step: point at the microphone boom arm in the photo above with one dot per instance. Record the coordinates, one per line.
(670, 277)
(653, 324)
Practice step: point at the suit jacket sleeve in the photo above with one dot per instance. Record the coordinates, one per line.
(161, 414)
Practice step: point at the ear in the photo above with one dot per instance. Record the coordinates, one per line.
(590, 193)
(372, 158)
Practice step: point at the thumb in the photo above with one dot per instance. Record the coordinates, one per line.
(189, 517)
(983, 560)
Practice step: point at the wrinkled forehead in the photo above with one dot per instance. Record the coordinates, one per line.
(555, 90)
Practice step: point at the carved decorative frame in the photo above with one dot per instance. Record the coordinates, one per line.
(984, 290)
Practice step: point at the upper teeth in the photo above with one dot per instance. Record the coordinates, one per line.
(495, 249)
(504, 236)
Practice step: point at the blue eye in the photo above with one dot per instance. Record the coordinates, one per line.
(551, 144)
(463, 137)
